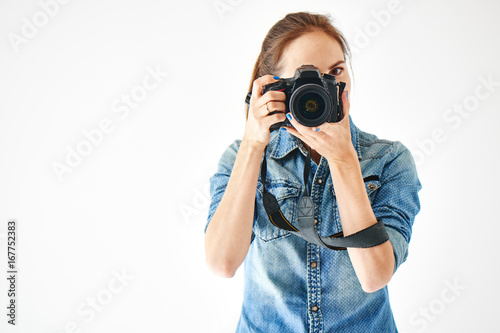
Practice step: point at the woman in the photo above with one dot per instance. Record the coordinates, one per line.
(292, 285)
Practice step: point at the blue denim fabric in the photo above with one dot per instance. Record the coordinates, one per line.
(291, 285)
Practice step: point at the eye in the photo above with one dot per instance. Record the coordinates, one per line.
(337, 71)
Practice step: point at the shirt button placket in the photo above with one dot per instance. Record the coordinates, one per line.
(314, 288)
(314, 277)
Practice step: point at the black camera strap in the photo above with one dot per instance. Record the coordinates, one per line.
(368, 237)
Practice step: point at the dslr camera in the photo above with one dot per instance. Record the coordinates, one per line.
(311, 97)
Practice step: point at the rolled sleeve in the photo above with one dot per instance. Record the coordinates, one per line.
(396, 202)
(218, 182)
(399, 246)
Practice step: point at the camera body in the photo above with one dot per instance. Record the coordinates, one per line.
(311, 98)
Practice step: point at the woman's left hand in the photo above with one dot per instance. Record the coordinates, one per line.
(331, 140)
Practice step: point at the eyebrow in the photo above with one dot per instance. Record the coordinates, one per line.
(336, 64)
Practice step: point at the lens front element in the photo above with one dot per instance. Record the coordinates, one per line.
(310, 105)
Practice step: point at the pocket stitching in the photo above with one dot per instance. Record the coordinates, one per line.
(293, 190)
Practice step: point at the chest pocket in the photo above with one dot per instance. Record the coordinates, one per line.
(287, 194)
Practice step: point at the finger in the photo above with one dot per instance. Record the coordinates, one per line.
(303, 130)
(295, 133)
(274, 118)
(261, 82)
(276, 106)
(271, 95)
(269, 107)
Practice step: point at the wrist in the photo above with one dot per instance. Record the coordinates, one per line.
(348, 160)
(252, 146)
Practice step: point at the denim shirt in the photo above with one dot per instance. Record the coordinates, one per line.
(291, 285)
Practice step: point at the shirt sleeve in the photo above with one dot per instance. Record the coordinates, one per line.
(396, 202)
(218, 182)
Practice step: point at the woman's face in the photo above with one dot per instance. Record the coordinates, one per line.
(318, 49)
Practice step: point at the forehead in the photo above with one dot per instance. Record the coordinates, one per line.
(315, 48)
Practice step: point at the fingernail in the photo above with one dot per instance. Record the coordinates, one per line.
(276, 77)
(348, 95)
(288, 116)
(317, 129)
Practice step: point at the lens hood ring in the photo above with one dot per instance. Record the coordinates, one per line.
(319, 96)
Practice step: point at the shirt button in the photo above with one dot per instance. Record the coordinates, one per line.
(314, 264)
(319, 181)
(315, 221)
(371, 186)
(314, 308)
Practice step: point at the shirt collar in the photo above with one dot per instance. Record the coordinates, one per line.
(282, 143)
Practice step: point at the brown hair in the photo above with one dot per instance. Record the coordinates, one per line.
(286, 30)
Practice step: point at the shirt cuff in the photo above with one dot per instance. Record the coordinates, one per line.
(399, 246)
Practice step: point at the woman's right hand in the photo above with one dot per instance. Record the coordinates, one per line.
(259, 121)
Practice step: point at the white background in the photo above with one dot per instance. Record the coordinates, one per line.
(136, 204)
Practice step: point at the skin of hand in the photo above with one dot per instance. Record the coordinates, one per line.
(331, 140)
(258, 122)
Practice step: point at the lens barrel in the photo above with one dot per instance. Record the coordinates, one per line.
(311, 105)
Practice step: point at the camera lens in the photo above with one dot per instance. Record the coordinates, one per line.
(311, 104)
